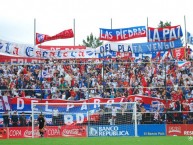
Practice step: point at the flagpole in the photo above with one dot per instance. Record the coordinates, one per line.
(38, 61)
(185, 37)
(111, 23)
(147, 21)
(147, 29)
(34, 31)
(74, 31)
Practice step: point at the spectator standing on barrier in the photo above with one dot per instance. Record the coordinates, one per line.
(55, 116)
(114, 114)
(14, 119)
(22, 119)
(42, 122)
(138, 116)
(6, 119)
(156, 117)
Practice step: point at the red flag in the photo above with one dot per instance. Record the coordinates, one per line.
(179, 53)
(40, 38)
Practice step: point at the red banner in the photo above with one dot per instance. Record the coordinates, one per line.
(3, 133)
(22, 132)
(27, 101)
(146, 99)
(20, 60)
(50, 131)
(24, 104)
(179, 129)
(61, 47)
(73, 131)
(179, 53)
(40, 38)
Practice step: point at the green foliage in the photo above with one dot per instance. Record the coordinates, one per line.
(92, 41)
(163, 25)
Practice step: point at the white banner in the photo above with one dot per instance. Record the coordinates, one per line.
(30, 51)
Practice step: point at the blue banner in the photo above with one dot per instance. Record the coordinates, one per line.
(122, 33)
(155, 46)
(152, 130)
(111, 130)
(110, 54)
(169, 33)
(147, 47)
(189, 38)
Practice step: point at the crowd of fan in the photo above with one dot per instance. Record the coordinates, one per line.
(104, 78)
(110, 78)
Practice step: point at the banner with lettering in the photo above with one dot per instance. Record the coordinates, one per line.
(51, 131)
(70, 113)
(111, 130)
(122, 33)
(169, 33)
(156, 46)
(24, 104)
(25, 60)
(80, 112)
(179, 130)
(40, 38)
(147, 47)
(19, 60)
(29, 51)
(189, 38)
(151, 130)
(26, 50)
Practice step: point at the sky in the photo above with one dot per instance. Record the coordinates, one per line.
(53, 16)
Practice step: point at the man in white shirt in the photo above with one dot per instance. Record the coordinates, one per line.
(55, 115)
(114, 114)
(53, 90)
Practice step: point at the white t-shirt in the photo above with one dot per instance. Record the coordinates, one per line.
(55, 112)
(114, 111)
(156, 115)
(53, 89)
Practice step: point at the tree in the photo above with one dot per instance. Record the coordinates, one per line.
(163, 25)
(92, 41)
